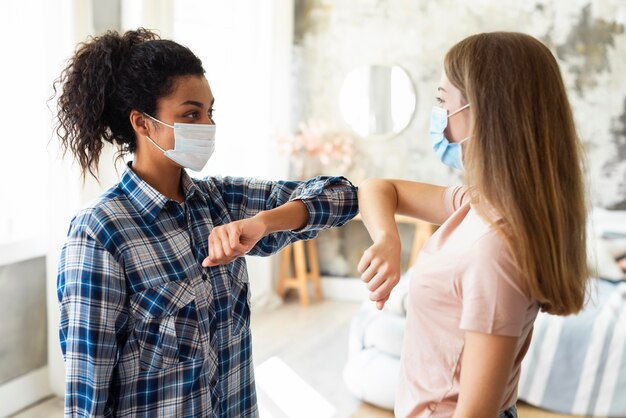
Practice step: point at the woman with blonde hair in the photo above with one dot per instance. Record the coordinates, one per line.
(511, 241)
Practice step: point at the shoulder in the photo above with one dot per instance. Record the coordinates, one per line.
(489, 246)
(490, 263)
(101, 217)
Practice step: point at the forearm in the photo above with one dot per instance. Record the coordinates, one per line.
(298, 211)
(292, 215)
(378, 201)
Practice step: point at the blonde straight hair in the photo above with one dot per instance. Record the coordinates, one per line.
(525, 160)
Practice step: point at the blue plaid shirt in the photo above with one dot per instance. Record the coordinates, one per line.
(145, 330)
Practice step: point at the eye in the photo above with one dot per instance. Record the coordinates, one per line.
(210, 113)
(440, 101)
(192, 115)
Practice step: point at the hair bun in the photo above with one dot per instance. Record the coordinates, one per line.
(114, 48)
(130, 39)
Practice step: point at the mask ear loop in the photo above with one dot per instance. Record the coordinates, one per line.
(459, 109)
(155, 144)
(163, 123)
(454, 113)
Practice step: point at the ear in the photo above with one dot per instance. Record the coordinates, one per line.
(139, 123)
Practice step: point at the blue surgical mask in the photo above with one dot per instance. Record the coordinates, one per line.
(194, 144)
(450, 153)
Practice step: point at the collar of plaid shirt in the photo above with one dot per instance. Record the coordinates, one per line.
(147, 200)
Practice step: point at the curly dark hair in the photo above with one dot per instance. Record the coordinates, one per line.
(109, 76)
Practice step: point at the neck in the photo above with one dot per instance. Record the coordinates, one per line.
(166, 180)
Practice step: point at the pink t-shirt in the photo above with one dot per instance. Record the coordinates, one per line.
(464, 280)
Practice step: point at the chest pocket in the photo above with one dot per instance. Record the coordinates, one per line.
(240, 295)
(166, 325)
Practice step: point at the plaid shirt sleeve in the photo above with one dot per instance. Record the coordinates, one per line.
(92, 296)
(331, 202)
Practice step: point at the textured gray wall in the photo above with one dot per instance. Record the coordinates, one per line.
(23, 319)
(587, 37)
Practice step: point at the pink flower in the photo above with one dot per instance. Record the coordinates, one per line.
(315, 141)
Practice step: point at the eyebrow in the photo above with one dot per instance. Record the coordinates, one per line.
(198, 104)
(441, 89)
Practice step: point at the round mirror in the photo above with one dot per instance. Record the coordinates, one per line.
(377, 101)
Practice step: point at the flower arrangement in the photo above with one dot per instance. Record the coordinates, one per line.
(316, 150)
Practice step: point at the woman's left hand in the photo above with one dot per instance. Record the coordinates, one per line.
(233, 240)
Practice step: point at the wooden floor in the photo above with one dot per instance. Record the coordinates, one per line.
(310, 342)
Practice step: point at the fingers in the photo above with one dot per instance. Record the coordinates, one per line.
(224, 239)
(377, 274)
(380, 281)
(382, 291)
(214, 252)
(233, 237)
(237, 248)
(208, 263)
(378, 278)
(380, 272)
(366, 259)
(370, 272)
(380, 304)
(224, 246)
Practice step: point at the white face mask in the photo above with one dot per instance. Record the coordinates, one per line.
(194, 144)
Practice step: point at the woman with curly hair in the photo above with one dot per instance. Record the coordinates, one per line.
(155, 317)
(511, 241)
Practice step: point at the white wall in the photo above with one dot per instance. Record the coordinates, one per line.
(588, 37)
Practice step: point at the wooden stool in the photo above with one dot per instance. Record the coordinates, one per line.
(302, 275)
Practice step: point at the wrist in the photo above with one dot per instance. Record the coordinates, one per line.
(387, 237)
(263, 219)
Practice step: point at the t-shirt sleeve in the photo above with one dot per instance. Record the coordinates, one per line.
(454, 197)
(493, 297)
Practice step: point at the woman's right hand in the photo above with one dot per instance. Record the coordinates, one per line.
(380, 268)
